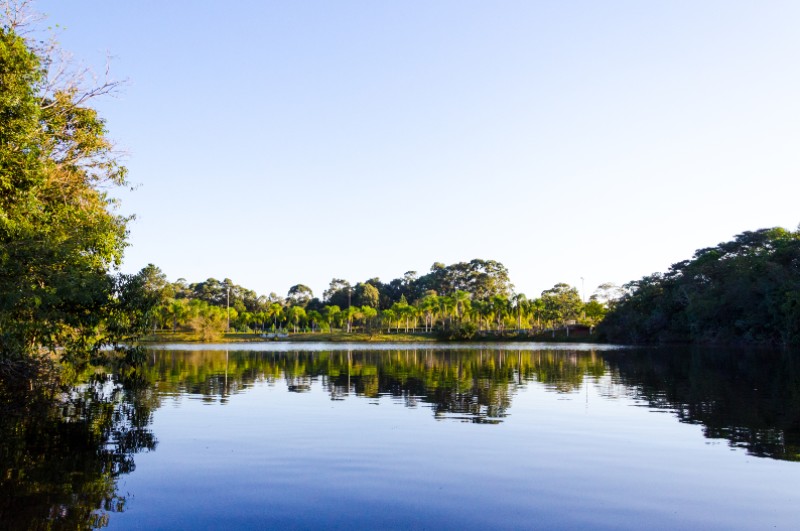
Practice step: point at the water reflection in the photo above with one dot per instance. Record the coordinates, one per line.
(63, 449)
(752, 399)
(469, 385)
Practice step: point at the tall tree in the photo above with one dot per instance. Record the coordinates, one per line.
(607, 294)
(429, 306)
(461, 300)
(60, 238)
(562, 303)
(296, 315)
(339, 293)
(275, 311)
(369, 313)
(481, 278)
(300, 294)
(520, 308)
(330, 315)
(366, 295)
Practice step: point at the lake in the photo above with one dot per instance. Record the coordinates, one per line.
(358, 436)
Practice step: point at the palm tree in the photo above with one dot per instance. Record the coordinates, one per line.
(161, 314)
(428, 306)
(369, 314)
(403, 310)
(178, 310)
(315, 318)
(295, 315)
(244, 320)
(536, 307)
(275, 311)
(353, 313)
(521, 305)
(414, 314)
(462, 303)
(479, 309)
(387, 316)
(446, 308)
(501, 308)
(330, 314)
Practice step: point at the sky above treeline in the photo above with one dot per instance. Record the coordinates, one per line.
(277, 143)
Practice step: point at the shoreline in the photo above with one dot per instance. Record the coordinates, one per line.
(353, 337)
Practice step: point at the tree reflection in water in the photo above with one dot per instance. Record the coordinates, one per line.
(752, 399)
(473, 385)
(63, 448)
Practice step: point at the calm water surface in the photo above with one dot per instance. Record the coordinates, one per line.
(418, 437)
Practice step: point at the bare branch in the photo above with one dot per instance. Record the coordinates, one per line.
(17, 15)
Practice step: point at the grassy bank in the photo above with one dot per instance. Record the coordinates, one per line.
(359, 337)
(336, 337)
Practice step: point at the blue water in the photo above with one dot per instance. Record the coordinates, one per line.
(509, 451)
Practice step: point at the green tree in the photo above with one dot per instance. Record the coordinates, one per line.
(296, 315)
(502, 309)
(155, 284)
(339, 293)
(480, 278)
(388, 317)
(275, 311)
(366, 295)
(594, 312)
(330, 315)
(484, 312)
(300, 294)
(520, 308)
(60, 238)
(562, 303)
(447, 307)
(428, 307)
(314, 318)
(353, 313)
(462, 300)
(403, 310)
(176, 312)
(208, 322)
(537, 310)
(369, 314)
(740, 291)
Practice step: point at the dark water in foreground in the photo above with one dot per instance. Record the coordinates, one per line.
(412, 437)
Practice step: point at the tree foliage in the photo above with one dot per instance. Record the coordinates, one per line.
(367, 295)
(481, 278)
(339, 293)
(300, 294)
(561, 302)
(487, 306)
(60, 236)
(743, 291)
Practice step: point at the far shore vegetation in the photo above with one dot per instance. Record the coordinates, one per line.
(462, 301)
(742, 292)
(62, 242)
(577, 335)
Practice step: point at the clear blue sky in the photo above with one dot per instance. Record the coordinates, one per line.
(277, 143)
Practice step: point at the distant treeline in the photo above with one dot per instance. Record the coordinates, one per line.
(746, 291)
(458, 300)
